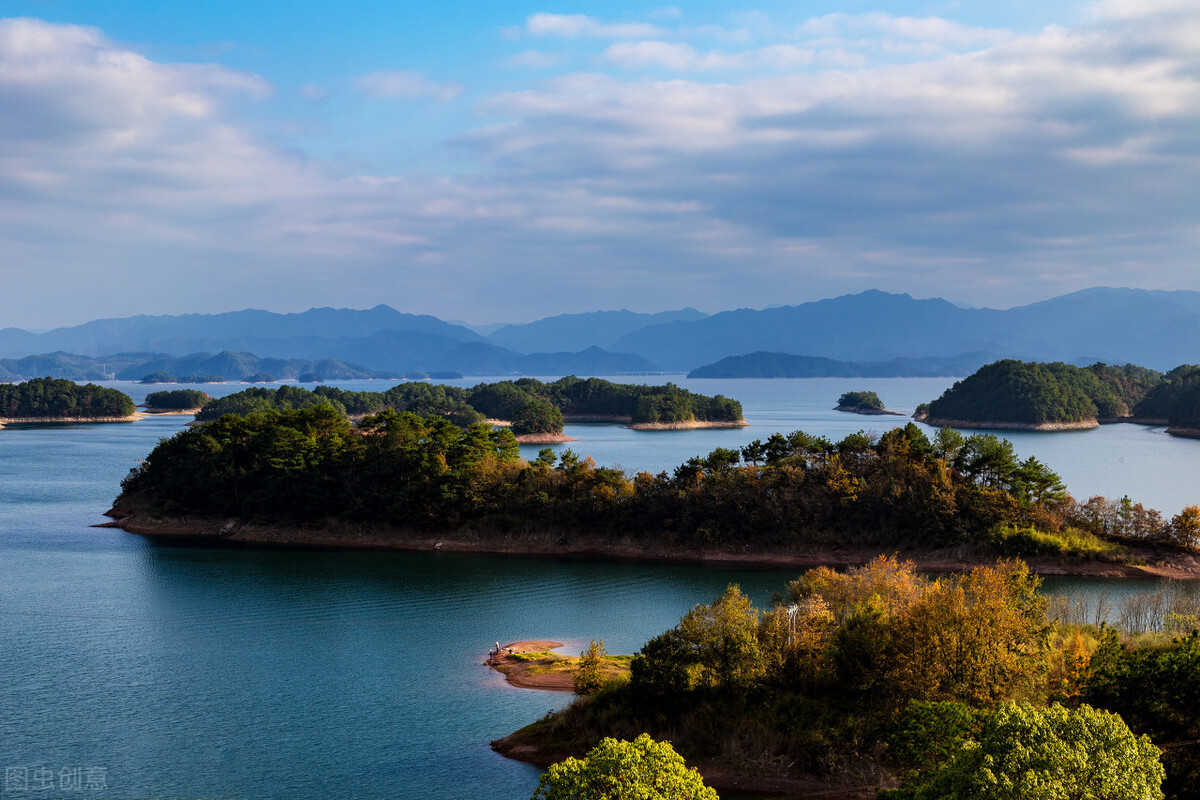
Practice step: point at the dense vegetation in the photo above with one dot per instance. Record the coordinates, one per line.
(1035, 393)
(788, 492)
(962, 686)
(176, 400)
(1176, 399)
(853, 401)
(420, 398)
(642, 769)
(531, 405)
(58, 397)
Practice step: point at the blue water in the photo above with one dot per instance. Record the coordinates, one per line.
(193, 673)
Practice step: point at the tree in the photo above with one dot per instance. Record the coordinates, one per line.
(588, 677)
(620, 770)
(1027, 753)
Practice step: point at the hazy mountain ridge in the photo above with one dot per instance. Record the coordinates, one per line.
(572, 332)
(1158, 329)
(233, 330)
(1154, 329)
(787, 365)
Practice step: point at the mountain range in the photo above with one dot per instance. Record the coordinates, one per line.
(1158, 329)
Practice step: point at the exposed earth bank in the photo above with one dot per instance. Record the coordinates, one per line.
(1148, 562)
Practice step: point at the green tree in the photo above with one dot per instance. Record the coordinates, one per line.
(621, 770)
(1027, 753)
(588, 677)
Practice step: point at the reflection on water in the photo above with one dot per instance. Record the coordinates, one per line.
(188, 672)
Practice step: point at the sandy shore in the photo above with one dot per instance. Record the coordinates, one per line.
(171, 412)
(545, 438)
(1151, 563)
(531, 674)
(1010, 426)
(687, 425)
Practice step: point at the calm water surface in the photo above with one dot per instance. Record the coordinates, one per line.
(188, 673)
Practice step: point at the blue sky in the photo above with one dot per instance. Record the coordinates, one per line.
(487, 162)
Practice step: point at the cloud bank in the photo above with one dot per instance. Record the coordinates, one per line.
(675, 167)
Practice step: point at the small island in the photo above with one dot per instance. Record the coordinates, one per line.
(179, 401)
(1020, 395)
(58, 400)
(863, 403)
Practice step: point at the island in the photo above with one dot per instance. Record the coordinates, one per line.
(534, 411)
(885, 681)
(863, 403)
(57, 400)
(398, 480)
(764, 364)
(178, 401)
(1020, 395)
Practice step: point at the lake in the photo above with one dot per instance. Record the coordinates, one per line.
(160, 671)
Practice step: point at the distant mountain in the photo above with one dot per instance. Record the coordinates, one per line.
(581, 331)
(1154, 329)
(239, 366)
(1157, 329)
(282, 335)
(135, 366)
(388, 351)
(785, 365)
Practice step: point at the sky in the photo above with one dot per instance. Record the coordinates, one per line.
(495, 162)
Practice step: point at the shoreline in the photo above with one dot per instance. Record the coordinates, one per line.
(379, 537)
(170, 412)
(687, 425)
(870, 412)
(66, 420)
(544, 438)
(1009, 426)
(519, 746)
(517, 673)
(1187, 433)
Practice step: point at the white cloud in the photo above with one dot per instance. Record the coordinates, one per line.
(683, 57)
(389, 83)
(1059, 159)
(576, 26)
(534, 59)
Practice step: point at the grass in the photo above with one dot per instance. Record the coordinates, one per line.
(1072, 542)
(546, 663)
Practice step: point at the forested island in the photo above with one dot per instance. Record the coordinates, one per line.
(533, 408)
(862, 403)
(1058, 396)
(973, 685)
(765, 364)
(400, 480)
(61, 400)
(177, 401)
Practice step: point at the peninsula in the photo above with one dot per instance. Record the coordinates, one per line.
(883, 677)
